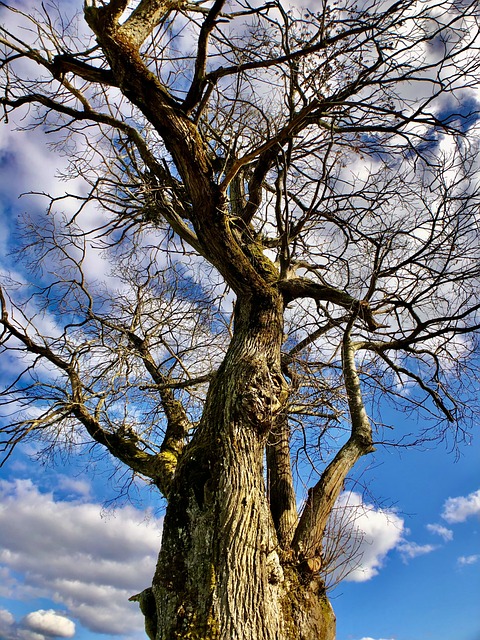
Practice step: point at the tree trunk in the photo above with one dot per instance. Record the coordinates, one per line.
(221, 571)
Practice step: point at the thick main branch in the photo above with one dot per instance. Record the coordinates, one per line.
(322, 497)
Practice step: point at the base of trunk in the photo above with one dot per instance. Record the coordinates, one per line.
(307, 616)
(307, 612)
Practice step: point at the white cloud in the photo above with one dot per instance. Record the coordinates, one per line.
(467, 560)
(460, 508)
(26, 634)
(439, 530)
(369, 638)
(49, 623)
(37, 625)
(74, 486)
(67, 552)
(409, 550)
(6, 618)
(8, 630)
(367, 535)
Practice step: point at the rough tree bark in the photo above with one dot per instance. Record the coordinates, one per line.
(222, 571)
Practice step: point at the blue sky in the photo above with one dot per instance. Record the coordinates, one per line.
(434, 594)
(69, 559)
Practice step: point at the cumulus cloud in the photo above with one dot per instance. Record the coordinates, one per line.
(49, 623)
(66, 552)
(409, 550)
(37, 625)
(6, 617)
(439, 530)
(369, 638)
(7, 625)
(363, 536)
(459, 509)
(467, 560)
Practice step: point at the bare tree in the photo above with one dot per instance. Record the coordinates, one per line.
(313, 166)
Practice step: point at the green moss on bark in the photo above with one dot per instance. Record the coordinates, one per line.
(308, 614)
